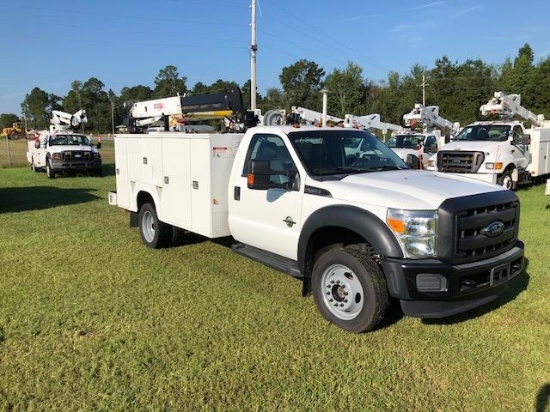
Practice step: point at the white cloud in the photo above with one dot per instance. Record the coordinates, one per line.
(425, 6)
(465, 11)
(400, 28)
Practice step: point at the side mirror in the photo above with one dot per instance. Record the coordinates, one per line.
(526, 139)
(428, 149)
(98, 145)
(260, 175)
(412, 161)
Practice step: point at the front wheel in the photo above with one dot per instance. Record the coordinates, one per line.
(349, 289)
(50, 173)
(154, 233)
(506, 180)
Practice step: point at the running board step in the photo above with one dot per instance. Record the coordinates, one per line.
(280, 263)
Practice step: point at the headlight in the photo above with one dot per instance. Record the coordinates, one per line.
(56, 156)
(416, 231)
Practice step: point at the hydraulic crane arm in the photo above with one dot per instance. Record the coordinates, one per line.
(507, 106)
(313, 117)
(428, 117)
(65, 121)
(369, 122)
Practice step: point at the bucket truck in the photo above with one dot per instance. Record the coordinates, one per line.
(499, 149)
(63, 150)
(416, 148)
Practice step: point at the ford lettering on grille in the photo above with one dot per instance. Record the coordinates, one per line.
(493, 229)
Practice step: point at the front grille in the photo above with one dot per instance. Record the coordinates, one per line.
(77, 155)
(472, 240)
(459, 161)
(472, 218)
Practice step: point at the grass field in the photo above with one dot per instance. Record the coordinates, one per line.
(91, 320)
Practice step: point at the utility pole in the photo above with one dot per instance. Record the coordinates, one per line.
(325, 104)
(112, 100)
(423, 85)
(253, 50)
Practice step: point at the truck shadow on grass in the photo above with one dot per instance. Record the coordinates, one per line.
(21, 199)
(393, 312)
(515, 287)
(543, 399)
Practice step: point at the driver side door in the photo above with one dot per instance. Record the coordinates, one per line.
(269, 219)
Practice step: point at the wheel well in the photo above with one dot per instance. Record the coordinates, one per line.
(330, 237)
(142, 198)
(509, 168)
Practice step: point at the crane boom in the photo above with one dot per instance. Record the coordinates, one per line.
(313, 117)
(65, 121)
(369, 122)
(429, 117)
(202, 106)
(506, 106)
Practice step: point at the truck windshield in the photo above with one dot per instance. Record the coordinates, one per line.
(69, 139)
(485, 132)
(406, 141)
(343, 151)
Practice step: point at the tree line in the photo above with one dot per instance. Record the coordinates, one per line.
(457, 88)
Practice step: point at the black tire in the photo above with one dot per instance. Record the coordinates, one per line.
(505, 180)
(50, 173)
(349, 289)
(154, 233)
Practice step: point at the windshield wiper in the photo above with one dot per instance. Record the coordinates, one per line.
(354, 169)
(387, 167)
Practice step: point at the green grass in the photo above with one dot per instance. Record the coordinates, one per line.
(91, 320)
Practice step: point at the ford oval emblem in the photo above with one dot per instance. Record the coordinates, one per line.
(493, 229)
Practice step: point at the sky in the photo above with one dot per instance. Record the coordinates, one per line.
(126, 43)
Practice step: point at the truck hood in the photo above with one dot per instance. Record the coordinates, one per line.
(471, 146)
(407, 189)
(402, 153)
(70, 148)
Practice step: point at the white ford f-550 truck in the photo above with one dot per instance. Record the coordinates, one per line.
(357, 230)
